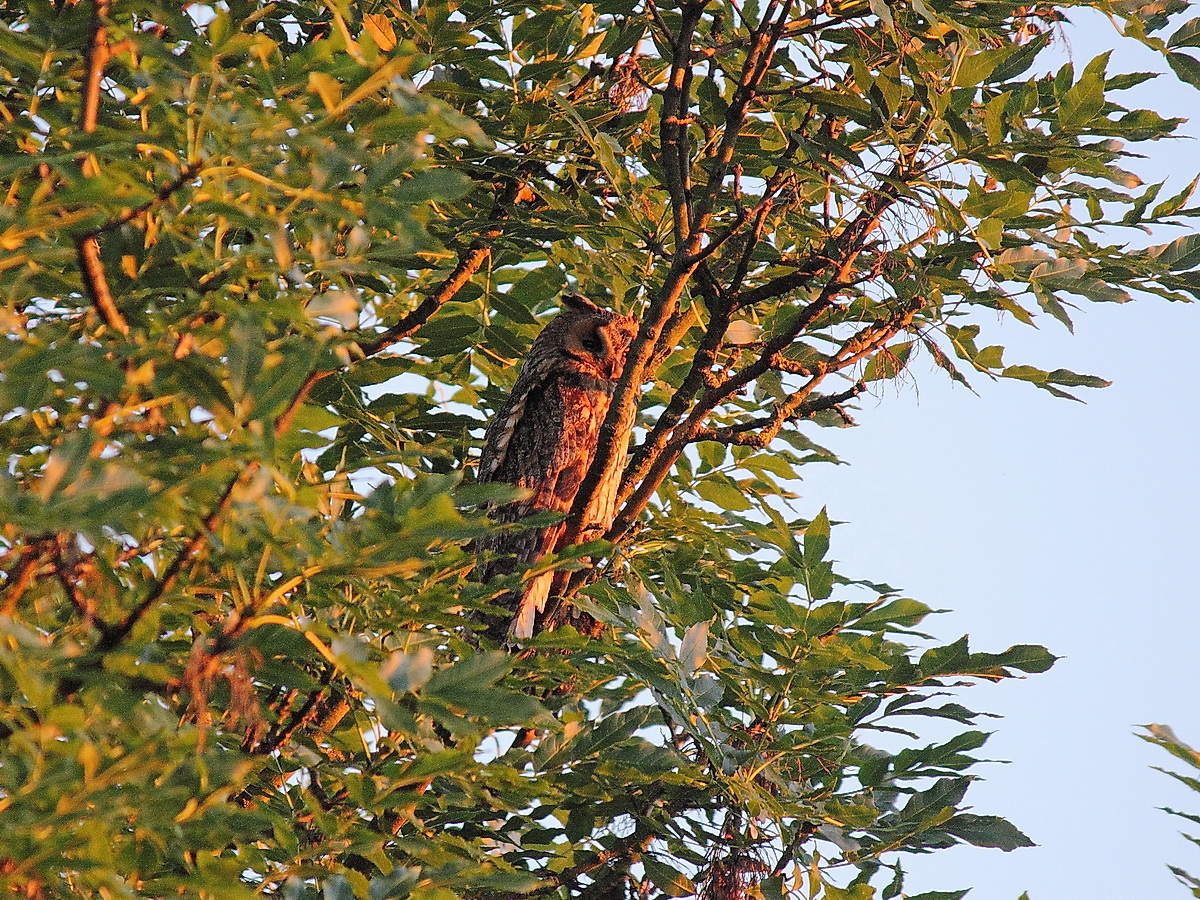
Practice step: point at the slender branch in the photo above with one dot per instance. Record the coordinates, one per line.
(69, 569)
(19, 579)
(721, 309)
(87, 248)
(760, 432)
(758, 62)
(468, 264)
(747, 254)
(95, 59)
(656, 16)
(652, 463)
(186, 174)
(674, 146)
(113, 635)
(282, 732)
(95, 282)
(682, 321)
(284, 422)
(863, 344)
(649, 457)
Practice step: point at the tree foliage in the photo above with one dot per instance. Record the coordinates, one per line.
(1162, 736)
(269, 266)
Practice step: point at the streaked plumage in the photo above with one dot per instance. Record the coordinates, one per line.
(544, 439)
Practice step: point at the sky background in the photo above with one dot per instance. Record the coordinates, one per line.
(1039, 520)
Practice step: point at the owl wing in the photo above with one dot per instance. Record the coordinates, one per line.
(569, 458)
(509, 420)
(543, 440)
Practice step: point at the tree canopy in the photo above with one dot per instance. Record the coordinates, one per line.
(269, 267)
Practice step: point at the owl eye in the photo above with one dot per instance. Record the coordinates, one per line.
(593, 342)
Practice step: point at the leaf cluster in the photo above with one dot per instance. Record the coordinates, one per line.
(1162, 736)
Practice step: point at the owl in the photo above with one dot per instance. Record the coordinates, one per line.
(543, 439)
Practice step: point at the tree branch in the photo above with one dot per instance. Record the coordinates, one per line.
(674, 146)
(758, 63)
(760, 432)
(613, 436)
(113, 635)
(676, 156)
(87, 248)
(468, 264)
(18, 580)
(188, 173)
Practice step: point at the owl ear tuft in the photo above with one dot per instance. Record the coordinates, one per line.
(579, 303)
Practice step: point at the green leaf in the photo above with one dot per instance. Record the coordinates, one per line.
(1073, 379)
(1174, 204)
(1030, 658)
(888, 362)
(1084, 101)
(336, 887)
(816, 539)
(902, 612)
(446, 335)
(987, 831)
(950, 658)
(439, 183)
(1100, 291)
(946, 793)
(537, 288)
(1186, 67)
(278, 383)
(1186, 35)
(1180, 254)
(978, 66)
(667, 879)
(472, 674)
(722, 492)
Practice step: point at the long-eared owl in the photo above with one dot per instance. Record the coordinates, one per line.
(543, 439)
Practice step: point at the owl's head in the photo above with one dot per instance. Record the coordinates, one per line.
(593, 341)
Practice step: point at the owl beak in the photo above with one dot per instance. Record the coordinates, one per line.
(608, 359)
(616, 362)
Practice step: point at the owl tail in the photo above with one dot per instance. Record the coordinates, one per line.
(533, 601)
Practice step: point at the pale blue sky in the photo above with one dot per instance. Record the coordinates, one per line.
(1038, 520)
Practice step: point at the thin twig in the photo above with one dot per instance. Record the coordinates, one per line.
(468, 264)
(758, 433)
(113, 635)
(21, 576)
(188, 173)
(758, 62)
(87, 247)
